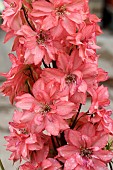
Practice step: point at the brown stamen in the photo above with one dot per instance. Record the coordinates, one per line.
(41, 37)
(45, 109)
(23, 131)
(85, 152)
(60, 10)
(70, 78)
(13, 4)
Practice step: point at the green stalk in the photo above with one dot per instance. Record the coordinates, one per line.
(1, 165)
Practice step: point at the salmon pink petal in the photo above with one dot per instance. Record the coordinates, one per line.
(24, 150)
(25, 30)
(75, 138)
(38, 85)
(42, 96)
(31, 139)
(103, 95)
(67, 151)
(29, 58)
(83, 87)
(81, 168)
(34, 146)
(39, 120)
(75, 5)
(62, 123)
(53, 74)
(70, 163)
(49, 22)
(75, 60)
(64, 107)
(52, 125)
(100, 142)
(76, 17)
(51, 164)
(42, 6)
(102, 75)
(25, 116)
(25, 101)
(62, 61)
(38, 13)
(68, 25)
(104, 155)
(78, 97)
(46, 164)
(89, 69)
(99, 165)
(88, 130)
(38, 55)
(57, 31)
(8, 36)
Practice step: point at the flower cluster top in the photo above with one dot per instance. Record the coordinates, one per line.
(54, 72)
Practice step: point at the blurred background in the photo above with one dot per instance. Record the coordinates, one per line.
(103, 9)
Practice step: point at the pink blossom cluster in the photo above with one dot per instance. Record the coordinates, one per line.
(54, 72)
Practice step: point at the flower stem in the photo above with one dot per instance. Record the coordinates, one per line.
(26, 17)
(75, 120)
(63, 141)
(44, 64)
(54, 64)
(110, 165)
(54, 145)
(1, 165)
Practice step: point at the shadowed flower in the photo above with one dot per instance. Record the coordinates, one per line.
(19, 79)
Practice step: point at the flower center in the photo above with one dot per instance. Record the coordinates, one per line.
(45, 108)
(41, 37)
(85, 152)
(60, 10)
(70, 78)
(12, 4)
(23, 131)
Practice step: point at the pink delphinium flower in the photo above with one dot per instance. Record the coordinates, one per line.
(23, 140)
(85, 40)
(61, 14)
(38, 45)
(100, 98)
(51, 107)
(27, 166)
(11, 9)
(102, 75)
(47, 164)
(12, 17)
(102, 118)
(85, 150)
(73, 74)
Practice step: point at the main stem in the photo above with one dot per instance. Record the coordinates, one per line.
(110, 165)
(54, 145)
(26, 17)
(75, 120)
(1, 165)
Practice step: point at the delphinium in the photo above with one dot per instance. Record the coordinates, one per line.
(54, 73)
